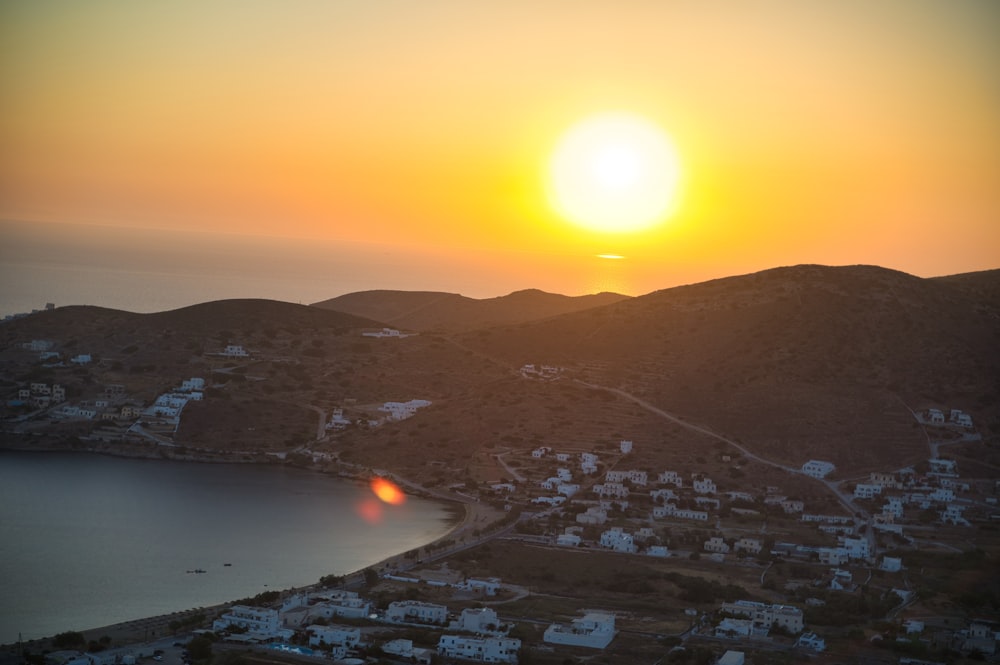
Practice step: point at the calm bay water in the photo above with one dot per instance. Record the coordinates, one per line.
(86, 540)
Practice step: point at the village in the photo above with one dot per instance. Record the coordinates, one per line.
(597, 501)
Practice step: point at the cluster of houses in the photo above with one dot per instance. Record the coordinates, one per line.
(955, 417)
(543, 372)
(939, 490)
(112, 405)
(168, 406)
(39, 395)
(474, 634)
(392, 412)
(47, 354)
(390, 333)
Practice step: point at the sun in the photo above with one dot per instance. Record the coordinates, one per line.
(614, 172)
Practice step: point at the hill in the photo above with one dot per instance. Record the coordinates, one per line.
(798, 362)
(793, 363)
(450, 312)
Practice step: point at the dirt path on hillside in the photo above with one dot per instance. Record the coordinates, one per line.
(843, 498)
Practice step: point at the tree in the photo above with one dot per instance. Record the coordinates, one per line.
(371, 577)
(200, 648)
(68, 640)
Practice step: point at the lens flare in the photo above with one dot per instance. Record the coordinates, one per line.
(388, 491)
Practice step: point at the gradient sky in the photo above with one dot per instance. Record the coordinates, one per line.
(809, 132)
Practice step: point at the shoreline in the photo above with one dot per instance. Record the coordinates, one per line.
(147, 629)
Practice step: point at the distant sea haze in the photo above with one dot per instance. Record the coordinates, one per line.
(154, 270)
(87, 540)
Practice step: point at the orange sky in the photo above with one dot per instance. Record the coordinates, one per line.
(821, 132)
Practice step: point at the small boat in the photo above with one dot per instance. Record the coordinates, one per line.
(227, 564)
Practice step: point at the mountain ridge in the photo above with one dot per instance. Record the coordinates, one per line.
(794, 362)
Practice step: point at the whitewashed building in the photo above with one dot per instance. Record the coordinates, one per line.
(334, 636)
(670, 478)
(818, 468)
(594, 630)
(477, 620)
(619, 541)
(704, 485)
(485, 650)
(403, 410)
(716, 544)
(414, 611)
(262, 622)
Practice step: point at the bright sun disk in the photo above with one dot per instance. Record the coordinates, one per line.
(614, 172)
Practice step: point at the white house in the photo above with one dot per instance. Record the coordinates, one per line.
(594, 630)
(730, 628)
(811, 641)
(625, 446)
(567, 489)
(670, 478)
(619, 541)
(485, 650)
(334, 636)
(633, 476)
(192, 384)
(564, 474)
(541, 452)
(477, 620)
(670, 510)
(391, 333)
(716, 544)
(945, 466)
(338, 422)
(403, 410)
(234, 351)
(786, 616)
(826, 519)
(82, 359)
(818, 468)
(347, 606)
(568, 540)
(857, 548)
(261, 621)
(414, 611)
(612, 490)
(747, 544)
(704, 486)
(489, 586)
(833, 556)
(662, 495)
(791, 506)
(405, 649)
(867, 490)
(891, 564)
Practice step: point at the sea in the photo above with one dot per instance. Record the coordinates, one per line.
(89, 540)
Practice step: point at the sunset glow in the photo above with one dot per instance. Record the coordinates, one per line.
(699, 142)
